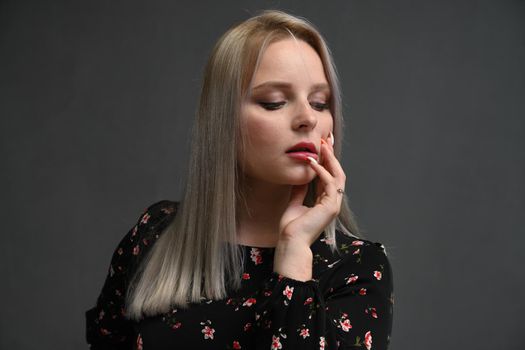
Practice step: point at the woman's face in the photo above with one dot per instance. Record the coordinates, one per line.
(288, 103)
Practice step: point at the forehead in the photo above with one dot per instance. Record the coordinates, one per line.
(292, 61)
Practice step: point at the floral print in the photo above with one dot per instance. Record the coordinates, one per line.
(378, 275)
(372, 311)
(304, 332)
(276, 344)
(345, 324)
(348, 303)
(256, 256)
(139, 342)
(322, 343)
(207, 330)
(368, 340)
(249, 302)
(288, 292)
(352, 279)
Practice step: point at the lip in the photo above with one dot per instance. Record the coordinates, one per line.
(302, 155)
(308, 145)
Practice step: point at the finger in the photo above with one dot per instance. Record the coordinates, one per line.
(331, 140)
(319, 189)
(329, 182)
(331, 163)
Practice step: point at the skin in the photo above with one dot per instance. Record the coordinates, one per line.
(276, 184)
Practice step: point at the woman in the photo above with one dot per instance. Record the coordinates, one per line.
(261, 253)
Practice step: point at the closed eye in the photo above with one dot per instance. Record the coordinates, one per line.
(320, 106)
(271, 106)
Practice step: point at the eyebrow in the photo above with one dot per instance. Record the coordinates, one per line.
(288, 86)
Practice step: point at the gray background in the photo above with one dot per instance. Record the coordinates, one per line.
(97, 99)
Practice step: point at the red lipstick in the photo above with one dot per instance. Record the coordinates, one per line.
(302, 150)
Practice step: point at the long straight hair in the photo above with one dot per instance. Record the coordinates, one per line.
(197, 256)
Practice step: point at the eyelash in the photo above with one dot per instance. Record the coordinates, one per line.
(272, 106)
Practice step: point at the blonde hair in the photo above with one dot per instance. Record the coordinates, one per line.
(191, 259)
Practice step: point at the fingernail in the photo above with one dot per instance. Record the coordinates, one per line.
(332, 139)
(312, 161)
(323, 142)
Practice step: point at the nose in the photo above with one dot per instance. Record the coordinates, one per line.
(304, 117)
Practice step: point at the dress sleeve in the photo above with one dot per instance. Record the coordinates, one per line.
(106, 324)
(349, 307)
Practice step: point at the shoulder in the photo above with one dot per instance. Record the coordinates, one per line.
(138, 241)
(157, 216)
(352, 254)
(348, 245)
(151, 223)
(105, 322)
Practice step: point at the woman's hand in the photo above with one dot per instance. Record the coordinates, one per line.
(300, 226)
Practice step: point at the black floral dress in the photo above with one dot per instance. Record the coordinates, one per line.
(347, 305)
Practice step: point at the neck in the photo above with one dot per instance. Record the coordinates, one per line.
(259, 215)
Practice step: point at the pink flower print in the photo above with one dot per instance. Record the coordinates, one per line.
(351, 279)
(327, 241)
(357, 251)
(145, 218)
(120, 251)
(247, 327)
(136, 250)
(104, 331)
(245, 276)
(357, 243)
(134, 232)
(168, 210)
(288, 292)
(249, 302)
(322, 343)
(267, 293)
(101, 314)
(304, 333)
(176, 325)
(139, 342)
(372, 311)
(236, 344)
(308, 301)
(378, 275)
(345, 324)
(208, 332)
(255, 255)
(276, 343)
(362, 291)
(368, 340)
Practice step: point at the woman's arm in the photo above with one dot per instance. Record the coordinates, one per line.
(106, 327)
(349, 307)
(106, 324)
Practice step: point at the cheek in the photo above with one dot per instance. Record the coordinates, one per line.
(328, 124)
(261, 133)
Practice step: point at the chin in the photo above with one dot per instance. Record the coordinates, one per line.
(302, 179)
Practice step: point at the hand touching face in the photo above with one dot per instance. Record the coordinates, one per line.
(288, 103)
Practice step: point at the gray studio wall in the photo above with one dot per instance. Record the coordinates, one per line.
(97, 100)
